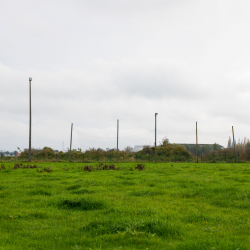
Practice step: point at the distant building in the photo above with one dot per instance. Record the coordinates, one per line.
(204, 148)
(202, 145)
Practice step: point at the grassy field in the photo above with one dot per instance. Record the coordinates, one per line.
(166, 206)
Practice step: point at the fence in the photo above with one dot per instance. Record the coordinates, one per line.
(225, 156)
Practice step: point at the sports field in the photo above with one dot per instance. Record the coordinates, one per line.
(165, 206)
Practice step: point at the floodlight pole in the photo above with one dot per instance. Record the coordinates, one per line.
(70, 142)
(30, 79)
(196, 143)
(155, 134)
(117, 136)
(234, 144)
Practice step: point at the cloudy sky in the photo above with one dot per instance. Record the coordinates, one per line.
(95, 61)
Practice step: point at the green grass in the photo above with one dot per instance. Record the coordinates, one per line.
(166, 206)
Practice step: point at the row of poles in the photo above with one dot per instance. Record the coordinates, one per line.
(117, 146)
(197, 153)
(30, 79)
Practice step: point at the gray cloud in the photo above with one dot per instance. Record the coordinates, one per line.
(93, 62)
(158, 80)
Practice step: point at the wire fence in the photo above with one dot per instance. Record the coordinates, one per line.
(96, 148)
(177, 153)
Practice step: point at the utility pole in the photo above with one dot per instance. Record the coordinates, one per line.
(234, 144)
(70, 142)
(117, 136)
(30, 79)
(196, 143)
(155, 134)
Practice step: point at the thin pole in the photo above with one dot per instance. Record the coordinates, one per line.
(70, 142)
(30, 79)
(196, 144)
(117, 136)
(234, 144)
(155, 134)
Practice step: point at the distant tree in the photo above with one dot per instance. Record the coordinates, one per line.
(216, 147)
(128, 149)
(164, 142)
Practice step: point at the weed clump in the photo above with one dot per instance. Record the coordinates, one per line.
(110, 167)
(29, 166)
(2, 167)
(16, 166)
(45, 169)
(140, 167)
(87, 168)
(34, 166)
(81, 204)
(100, 166)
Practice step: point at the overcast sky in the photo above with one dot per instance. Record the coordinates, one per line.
(95, 61)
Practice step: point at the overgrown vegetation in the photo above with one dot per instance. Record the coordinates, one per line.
(140, 167)
(239, 153)
(165, 152)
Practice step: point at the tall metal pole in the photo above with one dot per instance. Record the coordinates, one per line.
(155, 134)
(30, 79)
(234, 144)
(70, 142)
(117, 135)
(196, 143)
